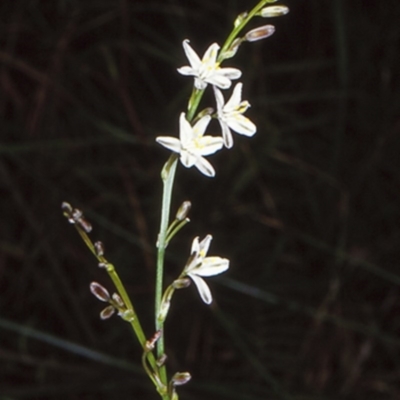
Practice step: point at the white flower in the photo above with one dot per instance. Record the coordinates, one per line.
(230, 115)
(208, 70)
(199, 265)
(192, 145)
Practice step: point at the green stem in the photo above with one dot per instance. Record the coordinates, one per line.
(235, 32)
(134, 321)
(194, 102)
(167, 175)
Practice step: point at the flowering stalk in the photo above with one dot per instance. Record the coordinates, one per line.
(167, 176)
(191, 148)
(129, 313)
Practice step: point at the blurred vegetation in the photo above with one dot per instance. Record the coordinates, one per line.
(307, 211)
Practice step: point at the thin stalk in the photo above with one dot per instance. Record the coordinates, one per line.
(235, 32)
(134, 321)
(194, 102)
(167, 175)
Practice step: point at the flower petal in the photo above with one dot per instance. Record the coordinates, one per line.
(209, 145)
(226, 134)
(212, 266)
(186, 70)
(204, 245)
(185, 130)
(200, 126)
(219, 79)
(235, 98)
(188, 159)
(240, 124)
(191, 55)
(203, 288)
(210, 56)
(205, 167)
(231, 73)
(170, 143)
(219, 99)
(195, 246)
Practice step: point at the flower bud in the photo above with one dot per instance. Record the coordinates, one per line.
(84, 224)
(161, 360)
(99, 291)
(274, 11)
(127, 315)
(163, 312)
(99, 249)
(174, 395)
(180, 378)
(181, 283)
(118, 301)
(76, 217)
(67, 211)
(240, 18)
(107, 312)
(259, 33)
(152, 342)
(183, 210)
(234, 47)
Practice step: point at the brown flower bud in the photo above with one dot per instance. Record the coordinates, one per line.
(181, 378)
(259, 33)
(99, 291)
(183, 210)
(181, 283)
(99, 249)
(118, 301)
(107, 312)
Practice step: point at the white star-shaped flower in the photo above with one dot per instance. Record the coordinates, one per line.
(199, 266)
(192, 145)
(230, 115)
(207, 70)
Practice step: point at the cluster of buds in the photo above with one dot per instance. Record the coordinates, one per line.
(115, 301)
(76, 217)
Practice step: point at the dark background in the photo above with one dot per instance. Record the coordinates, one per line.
(307, 210)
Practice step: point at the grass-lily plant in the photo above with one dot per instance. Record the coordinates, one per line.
(191, 148)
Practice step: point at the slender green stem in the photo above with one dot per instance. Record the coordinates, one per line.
(194, 102)
(167, 175)
(175, 229)
(132, 317)
(235, 32)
